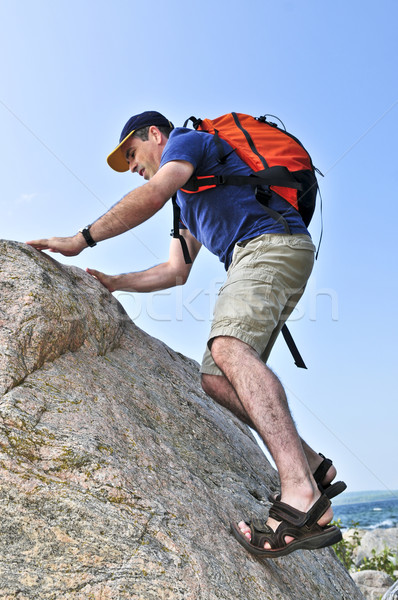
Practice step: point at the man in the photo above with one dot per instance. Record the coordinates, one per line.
(267, 273)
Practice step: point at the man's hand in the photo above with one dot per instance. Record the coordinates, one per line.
(160, 277)
(68, 246)
(107, 280)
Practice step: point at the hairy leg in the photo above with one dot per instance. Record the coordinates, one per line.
(263, 399)
(314, 460)
(219, 388)
(222, 392)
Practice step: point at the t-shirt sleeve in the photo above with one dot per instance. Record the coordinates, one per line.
(183, 144)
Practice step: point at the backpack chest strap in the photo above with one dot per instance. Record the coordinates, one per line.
(277, 175)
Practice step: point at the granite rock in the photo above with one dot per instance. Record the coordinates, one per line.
(118, 475)
(392, 592)
(373, 584)
(377, 540)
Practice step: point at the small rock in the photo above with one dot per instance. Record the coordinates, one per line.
(392, 593)
(373, 584)
(378, 540)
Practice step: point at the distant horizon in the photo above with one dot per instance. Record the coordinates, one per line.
(352, 497)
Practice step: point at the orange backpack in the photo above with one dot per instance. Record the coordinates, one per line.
(277, 158)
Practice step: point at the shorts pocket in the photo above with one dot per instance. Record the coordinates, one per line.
(300, 243)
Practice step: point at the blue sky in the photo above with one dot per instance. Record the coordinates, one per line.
(73, 72)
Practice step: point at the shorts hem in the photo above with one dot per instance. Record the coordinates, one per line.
(235, 333)
(211, 371)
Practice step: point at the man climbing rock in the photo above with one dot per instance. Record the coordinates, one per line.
(268, 262)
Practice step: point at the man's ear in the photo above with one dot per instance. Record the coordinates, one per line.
(156, 134)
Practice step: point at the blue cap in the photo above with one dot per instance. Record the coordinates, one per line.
(116, 159)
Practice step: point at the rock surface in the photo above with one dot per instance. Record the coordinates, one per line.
(373, 584)
(378, 540)
(118, 475)
(392, 593)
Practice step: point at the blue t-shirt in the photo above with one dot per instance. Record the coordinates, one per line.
(222, 216)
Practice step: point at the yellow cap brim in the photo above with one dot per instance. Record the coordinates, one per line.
(117, 159)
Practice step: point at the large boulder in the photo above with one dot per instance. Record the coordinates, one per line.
(118, 475)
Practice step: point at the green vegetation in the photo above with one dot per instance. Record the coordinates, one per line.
(345, 550)
(386, 560)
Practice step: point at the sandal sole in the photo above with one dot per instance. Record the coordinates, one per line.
(329, 537)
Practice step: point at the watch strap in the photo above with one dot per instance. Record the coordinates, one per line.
(87, 236)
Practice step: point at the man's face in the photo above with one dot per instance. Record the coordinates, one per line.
(143, 157)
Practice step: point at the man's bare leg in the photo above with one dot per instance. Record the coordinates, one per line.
(264, 400)
(314, 460)
(219, 388)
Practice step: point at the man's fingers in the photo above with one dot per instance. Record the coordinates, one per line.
(94, 273)
(68, 246)
(38, 244)
(98, 275)
(102, 278)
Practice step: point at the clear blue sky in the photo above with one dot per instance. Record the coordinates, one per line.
(73, 72)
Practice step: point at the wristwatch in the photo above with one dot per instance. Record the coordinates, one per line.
(87, 236)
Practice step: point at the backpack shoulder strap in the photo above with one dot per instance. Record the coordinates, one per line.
(175, 232)
(298, 360)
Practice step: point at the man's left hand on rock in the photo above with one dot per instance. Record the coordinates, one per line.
(68, 246)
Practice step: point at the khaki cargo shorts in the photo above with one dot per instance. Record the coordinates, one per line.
(265, 280)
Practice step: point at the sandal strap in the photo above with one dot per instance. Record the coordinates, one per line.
(260, 533)
(284, 512)
(323, 468)
(275, 539)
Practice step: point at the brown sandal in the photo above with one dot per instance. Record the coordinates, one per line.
(303, 527)
(331, 490)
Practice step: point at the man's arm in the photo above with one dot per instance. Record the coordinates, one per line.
(132, 210)
(168, 274)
